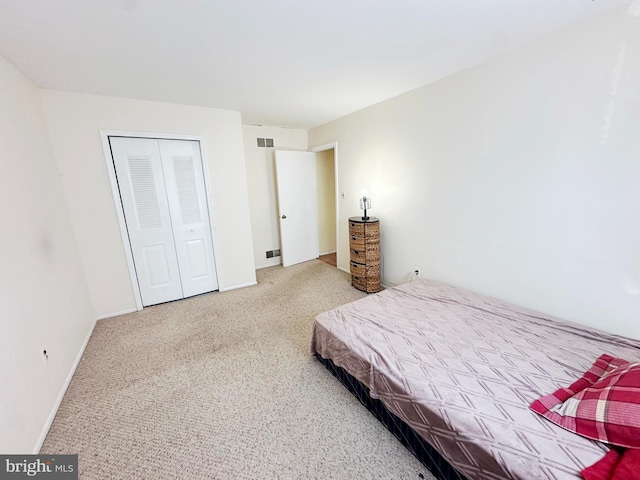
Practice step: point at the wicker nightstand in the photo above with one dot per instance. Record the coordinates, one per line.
(364, 247)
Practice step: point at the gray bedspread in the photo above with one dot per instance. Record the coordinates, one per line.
(461, 369)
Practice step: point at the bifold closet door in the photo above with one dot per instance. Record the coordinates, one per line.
(184, 178)
(161, 185)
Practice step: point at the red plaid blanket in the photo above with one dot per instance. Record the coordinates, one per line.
(603, 405)
(615, 466)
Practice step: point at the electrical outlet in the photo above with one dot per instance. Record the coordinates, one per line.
(45, 355)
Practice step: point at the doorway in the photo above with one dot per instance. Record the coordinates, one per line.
(326, 185)
(161, 196)
(307, 182)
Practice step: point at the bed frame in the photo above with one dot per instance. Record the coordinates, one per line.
(424, 452)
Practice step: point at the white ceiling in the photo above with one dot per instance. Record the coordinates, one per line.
(296, 63)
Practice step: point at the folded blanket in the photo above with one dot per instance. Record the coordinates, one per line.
(615, 465)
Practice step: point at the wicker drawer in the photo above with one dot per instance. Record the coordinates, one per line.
(366, 284)
(361, 229)
(358, 269)
(369, 254)
(365, 270)
(359, 282)
(356, 242)
(358, 255)
(356, 229)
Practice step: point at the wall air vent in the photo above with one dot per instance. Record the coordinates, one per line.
(265, 142)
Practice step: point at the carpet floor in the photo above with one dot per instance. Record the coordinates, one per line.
(222, 386)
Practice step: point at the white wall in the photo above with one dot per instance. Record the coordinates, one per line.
(326, 201)
(519, 178)
(75, 121)
(43, 294)
(260, 164)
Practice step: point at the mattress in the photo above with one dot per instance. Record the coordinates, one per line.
(461, 369)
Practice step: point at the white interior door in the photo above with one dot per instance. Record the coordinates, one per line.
(187, 196)
(144, 200)
(164, 199)
(296, 185)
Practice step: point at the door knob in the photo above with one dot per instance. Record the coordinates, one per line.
(284, 216)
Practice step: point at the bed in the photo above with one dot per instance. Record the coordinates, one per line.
(453, 374)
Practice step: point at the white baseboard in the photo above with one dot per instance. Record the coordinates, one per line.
(65, 386)
(326, 253)
(117, 314)
(234, 287)
(273, 263)
(344, 270)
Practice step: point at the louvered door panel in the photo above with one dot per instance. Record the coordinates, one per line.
(142, 190)
(143, 187)
(187, 190)
(184, 180)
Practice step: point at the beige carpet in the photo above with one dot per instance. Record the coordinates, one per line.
(222, 386)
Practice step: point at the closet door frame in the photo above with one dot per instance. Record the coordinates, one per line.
(115, 192)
